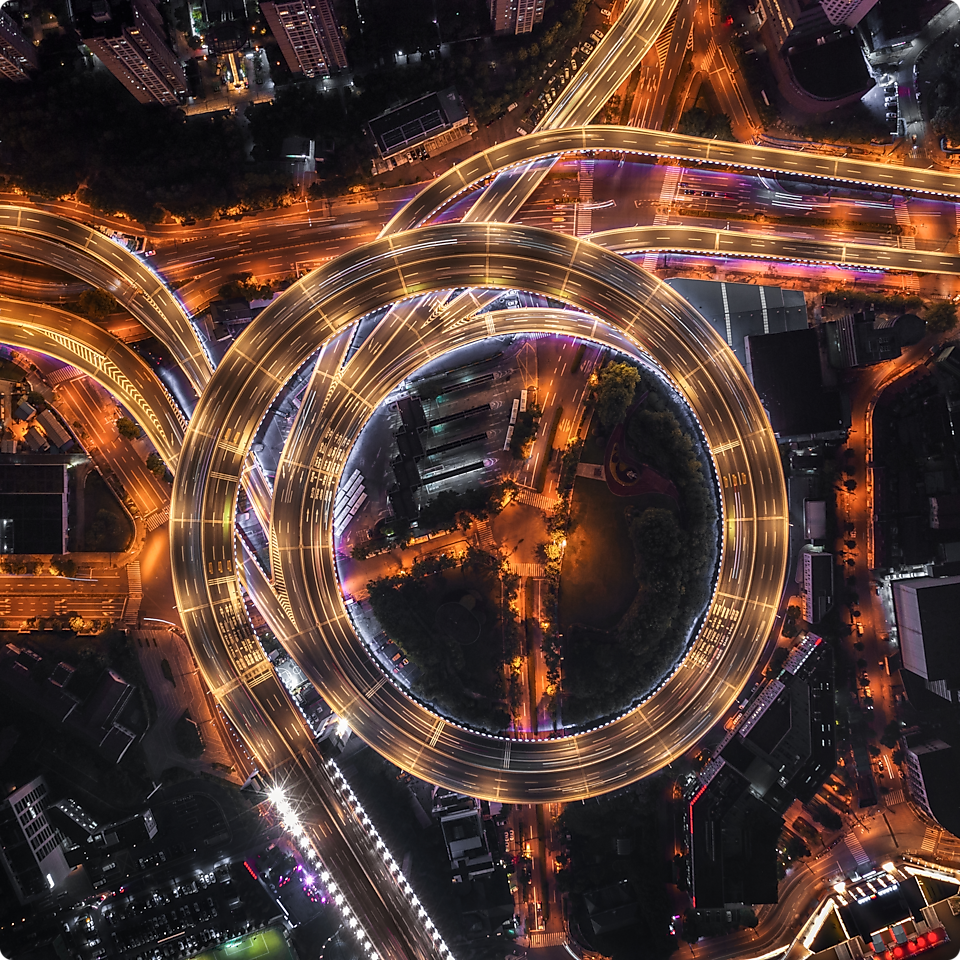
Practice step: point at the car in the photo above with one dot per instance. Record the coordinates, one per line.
(707, 193)
(690, 193)
(401, 664)
(596, 35)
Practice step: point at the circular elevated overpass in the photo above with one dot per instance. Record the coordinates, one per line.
(617, 303)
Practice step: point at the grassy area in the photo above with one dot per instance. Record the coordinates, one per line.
(597, 585)
(106, 526)
(831, 933)
(268, 944)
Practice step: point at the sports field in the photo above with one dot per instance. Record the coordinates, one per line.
(265, 945)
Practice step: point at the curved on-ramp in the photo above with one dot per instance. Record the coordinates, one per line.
(646, 314)
(709, 241)
(102, 357)
(675, 146)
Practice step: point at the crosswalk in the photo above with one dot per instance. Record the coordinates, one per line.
(63, 374)
(534, 571)
(902, 213)
(930, 838)
(544, 939)
(131, 609)
(539, 500)
(485, 536)
(856, 849)
(894, 797)
(157, 519)
(585, 213)
(667, 193)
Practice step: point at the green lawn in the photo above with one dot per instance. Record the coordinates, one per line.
(106, 526)
(266, 945)
(597, 584)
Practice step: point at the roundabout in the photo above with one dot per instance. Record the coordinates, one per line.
(614, 303)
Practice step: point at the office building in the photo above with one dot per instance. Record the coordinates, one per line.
(18, 56)
(515, 16)
(931, 764)
(927, 611)
(308, 34)
(30, 846)
(130, 39)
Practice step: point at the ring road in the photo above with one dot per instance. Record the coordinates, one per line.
(645, 314)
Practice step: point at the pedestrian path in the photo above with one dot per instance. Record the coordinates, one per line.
(131, 609)
(592, 471)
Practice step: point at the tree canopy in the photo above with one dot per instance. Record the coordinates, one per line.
(696, 122)
(618, 383)
(942, 317)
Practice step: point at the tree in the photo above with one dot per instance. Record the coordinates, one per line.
(696, 122)
(187, 737)
(942, 317)
(891, 734)
(63, 566)
(127, 428)
(156, 465)
(97, 304)
(36, 399)
(618, 383)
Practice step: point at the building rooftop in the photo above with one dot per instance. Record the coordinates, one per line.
(414, 122)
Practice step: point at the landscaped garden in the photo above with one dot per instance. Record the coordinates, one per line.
(451, 617)
(636, 569)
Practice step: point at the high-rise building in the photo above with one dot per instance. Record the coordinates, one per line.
(927, 609)
(130, 39)
(308, 34)
(17, 54)
(30, 846)
(515, 16)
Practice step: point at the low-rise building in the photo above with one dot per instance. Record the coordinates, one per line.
(422, 128)
(463, 835)
(817, 585)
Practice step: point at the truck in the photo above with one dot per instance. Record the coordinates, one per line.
(133, 243)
